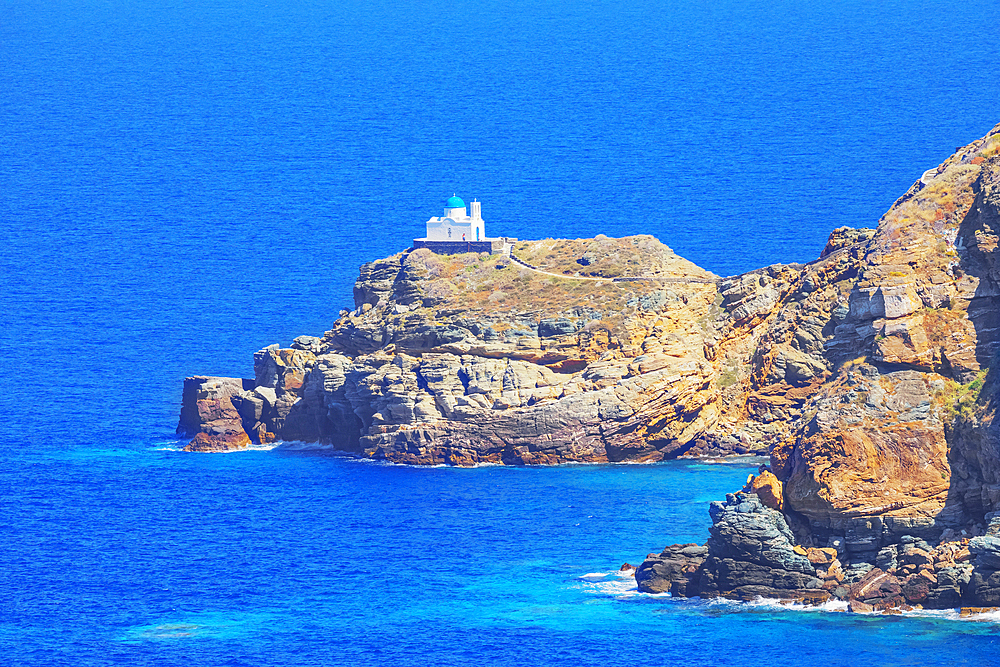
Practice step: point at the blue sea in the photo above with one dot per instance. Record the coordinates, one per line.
(183, 182)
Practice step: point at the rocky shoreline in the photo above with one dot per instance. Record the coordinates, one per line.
(867, 378)
(753, 553)
(886, 495)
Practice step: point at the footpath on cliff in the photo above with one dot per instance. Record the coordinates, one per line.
(865, 377)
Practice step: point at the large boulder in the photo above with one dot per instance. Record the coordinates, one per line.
(767, 487)
(209, 413)
(752, 553)
(878, 589)
(677, 570)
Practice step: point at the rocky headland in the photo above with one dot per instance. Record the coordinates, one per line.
(865, 376)
(883, 492)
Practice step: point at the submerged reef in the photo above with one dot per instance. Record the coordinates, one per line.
(866, 376)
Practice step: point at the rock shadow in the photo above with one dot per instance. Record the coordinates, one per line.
(979, 260)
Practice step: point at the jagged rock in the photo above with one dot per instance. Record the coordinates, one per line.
(210, 413)
(950, 588)
(556, 327)
(221, 442)
(751, 552)
(986, 549)
(846, 237)
(859, 607)
(984, 586)
(916, 588)
(821, 556)
(862, 373)
(911, 555)
(677, 570)
(879, 589)
(768, 489)
(855, 572)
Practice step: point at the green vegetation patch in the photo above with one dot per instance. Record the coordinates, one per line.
(959, 400)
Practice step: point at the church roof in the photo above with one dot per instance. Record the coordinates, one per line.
(455, 202)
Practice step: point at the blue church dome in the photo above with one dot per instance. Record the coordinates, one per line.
(455, 202)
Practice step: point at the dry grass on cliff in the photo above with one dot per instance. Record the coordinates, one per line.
(497, 285)
(604, 257)
(493, 284)
(938, 323)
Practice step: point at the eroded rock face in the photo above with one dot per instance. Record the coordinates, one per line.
(856, 373)
(676, 570)
(875, 386)
(210, 416)
(752, 553)
(416, 374)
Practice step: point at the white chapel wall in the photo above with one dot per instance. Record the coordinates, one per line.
(458, 222)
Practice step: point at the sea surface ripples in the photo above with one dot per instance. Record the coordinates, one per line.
(184, 183)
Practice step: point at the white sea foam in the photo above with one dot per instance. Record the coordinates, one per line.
(621, 585)
(955, 615)
(353, 458)
(249, 448)
(615, 584)
(774, 604)
(169, 445)
(262, 448)
(735, 459)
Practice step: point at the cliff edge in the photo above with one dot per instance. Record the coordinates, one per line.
(862, 374)
(884, 489)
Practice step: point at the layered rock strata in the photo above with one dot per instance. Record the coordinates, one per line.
(889, 453)
(469, 359)
(752, 553)
(864, 375)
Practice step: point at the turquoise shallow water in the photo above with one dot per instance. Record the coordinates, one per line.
(184, 183)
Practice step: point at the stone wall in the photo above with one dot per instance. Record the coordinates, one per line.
(490, 245)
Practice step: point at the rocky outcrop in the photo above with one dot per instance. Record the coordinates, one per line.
(847, 371)
(469, 359)
(752, 553)
(677, 570)
(864, 375)
(209, 413)
(768, 488)
(855, 372)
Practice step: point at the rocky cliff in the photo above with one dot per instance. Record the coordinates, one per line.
(864, 374)
(600, 354)
(890, 460)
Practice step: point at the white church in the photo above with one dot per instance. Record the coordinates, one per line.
(456, 231)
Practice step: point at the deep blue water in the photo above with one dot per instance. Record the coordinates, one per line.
(182, 183)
